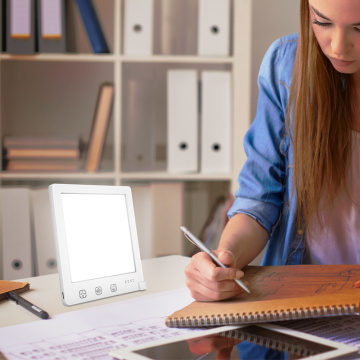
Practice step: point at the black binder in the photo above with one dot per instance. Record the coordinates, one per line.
(20, 27)
(51, 26)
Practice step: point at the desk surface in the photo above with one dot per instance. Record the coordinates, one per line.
(160, 274)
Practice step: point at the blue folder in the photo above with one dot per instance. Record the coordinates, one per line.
(92, 26)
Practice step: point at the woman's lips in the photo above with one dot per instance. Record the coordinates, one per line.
(342, 63)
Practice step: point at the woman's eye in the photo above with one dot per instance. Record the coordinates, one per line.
(319, 23)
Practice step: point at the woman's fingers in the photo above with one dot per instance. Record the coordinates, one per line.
(209, 282)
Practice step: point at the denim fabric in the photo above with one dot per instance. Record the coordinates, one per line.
(265, 181)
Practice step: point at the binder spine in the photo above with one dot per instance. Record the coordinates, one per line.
(251, 318)
(92, 26)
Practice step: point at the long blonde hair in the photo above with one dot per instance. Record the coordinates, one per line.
(319, 120)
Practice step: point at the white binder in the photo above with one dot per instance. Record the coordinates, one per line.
(143, 217)
(43, 231)
(138, 27)
(214, 27)
(182, 121)
(139, 127)
(167, 201)
(16, 233)
(157, 227)
(216, 99)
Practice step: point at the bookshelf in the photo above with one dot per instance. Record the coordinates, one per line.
(55, 94)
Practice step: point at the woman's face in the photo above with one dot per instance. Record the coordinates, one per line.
(336, 25)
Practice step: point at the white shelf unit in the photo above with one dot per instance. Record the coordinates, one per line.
(77, 76)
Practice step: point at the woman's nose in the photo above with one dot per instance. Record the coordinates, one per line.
(340, 43)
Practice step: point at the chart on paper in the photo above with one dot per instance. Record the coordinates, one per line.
(345, 329)
(94, 343)
(93, 332)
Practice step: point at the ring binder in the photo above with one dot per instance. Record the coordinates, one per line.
(16, 240)
(182, 121)
(51, 26)
(214, 27)
(138, 27)
(92, 25)
(20, 27)
(280, 293)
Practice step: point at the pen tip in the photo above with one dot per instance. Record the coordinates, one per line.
(245, 288)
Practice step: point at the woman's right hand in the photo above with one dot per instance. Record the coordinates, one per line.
(209, 282)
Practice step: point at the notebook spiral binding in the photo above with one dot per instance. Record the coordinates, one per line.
(250, 318)
(276, 344)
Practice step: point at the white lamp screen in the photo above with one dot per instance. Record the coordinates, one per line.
(97, 235)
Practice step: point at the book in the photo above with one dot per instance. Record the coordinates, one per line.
(42, 165)
(42, 153)
(15, 286)
(92, 25)
(99, 127)
(70, 141)
(279, 293)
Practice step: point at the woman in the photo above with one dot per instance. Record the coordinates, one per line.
(299, 190)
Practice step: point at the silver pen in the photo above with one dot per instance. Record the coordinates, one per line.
(192, 238)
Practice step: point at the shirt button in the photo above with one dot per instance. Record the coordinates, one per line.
(300, 232)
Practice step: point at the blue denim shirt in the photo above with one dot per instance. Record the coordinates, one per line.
(265, 181)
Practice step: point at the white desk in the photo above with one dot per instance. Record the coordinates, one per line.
(161, 274)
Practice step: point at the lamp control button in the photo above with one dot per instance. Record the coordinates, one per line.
(98, 290)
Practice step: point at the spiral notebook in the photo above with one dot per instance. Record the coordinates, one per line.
(17, 287)
(280, 293)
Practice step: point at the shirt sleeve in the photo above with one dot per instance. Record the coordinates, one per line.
(261, 180)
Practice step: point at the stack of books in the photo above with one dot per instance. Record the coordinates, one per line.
(50, 153)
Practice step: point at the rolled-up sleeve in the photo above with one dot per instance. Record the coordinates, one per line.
(261, 180)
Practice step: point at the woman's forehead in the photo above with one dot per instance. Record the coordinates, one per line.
(341, 11)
